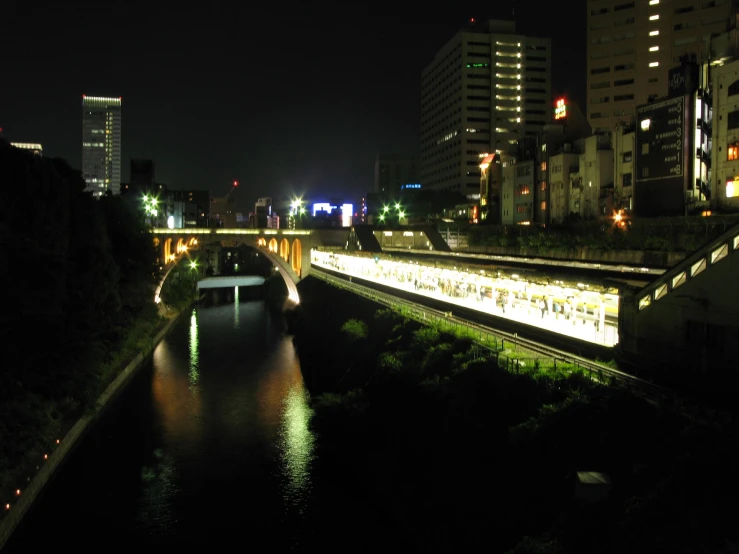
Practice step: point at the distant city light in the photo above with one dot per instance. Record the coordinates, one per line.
(346, 211)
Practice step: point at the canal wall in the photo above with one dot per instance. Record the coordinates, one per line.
(67, 444)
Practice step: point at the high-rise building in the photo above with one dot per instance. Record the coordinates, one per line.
(101, 144)
(486, 89)
(34, 147)
(632, 45)
(394, 171)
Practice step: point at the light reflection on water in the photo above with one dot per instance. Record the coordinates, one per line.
(297, 442)
(194, 355)
(237, 307)
(208, 442)
(223, 407)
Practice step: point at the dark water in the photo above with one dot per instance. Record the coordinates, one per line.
(209, 447)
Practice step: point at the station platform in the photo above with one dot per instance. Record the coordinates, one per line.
(587, 311)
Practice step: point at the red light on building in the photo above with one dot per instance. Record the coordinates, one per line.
(236, 183)
(560, 109)
(472, 19)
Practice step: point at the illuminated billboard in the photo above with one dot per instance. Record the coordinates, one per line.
(347, 211)
(560, 109)
(662, 153)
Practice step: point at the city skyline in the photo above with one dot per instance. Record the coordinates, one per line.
(306, 115)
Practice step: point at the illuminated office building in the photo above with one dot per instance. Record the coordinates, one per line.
(486, 89)
(101, 144)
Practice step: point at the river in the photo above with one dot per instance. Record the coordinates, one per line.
(209, 446)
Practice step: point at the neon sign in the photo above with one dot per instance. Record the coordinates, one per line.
(560, 109)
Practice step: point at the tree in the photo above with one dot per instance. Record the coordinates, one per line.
(133, 252)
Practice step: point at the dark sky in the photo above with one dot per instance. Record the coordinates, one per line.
(288, 100)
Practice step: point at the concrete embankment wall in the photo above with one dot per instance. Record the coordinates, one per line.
(66, 445)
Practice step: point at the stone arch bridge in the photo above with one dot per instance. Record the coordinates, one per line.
(288, 249)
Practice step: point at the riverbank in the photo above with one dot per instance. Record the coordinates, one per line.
(457, 453)
(50, 461)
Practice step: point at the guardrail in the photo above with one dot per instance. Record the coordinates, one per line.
(495, 340)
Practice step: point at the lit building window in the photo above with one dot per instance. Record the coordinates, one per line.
(733, 152)
(653, 48)
(732, 188)
(653, 33)
(653, 17)
(543, 206)
(653, 64)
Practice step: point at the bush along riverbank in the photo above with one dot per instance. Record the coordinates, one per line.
(445, 451)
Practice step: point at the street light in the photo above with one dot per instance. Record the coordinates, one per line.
(150, 206)
(295, 209)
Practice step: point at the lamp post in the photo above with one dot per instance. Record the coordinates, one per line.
(383, 215)
(295, 210)
(151, 208)
(399, 210)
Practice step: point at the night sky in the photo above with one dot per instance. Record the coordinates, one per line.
(289, 100)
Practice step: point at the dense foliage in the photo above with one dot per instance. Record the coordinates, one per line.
(79, 276)
(457, 454)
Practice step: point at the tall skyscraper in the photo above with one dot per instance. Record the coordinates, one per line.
(101, 144)
(633, 45)
(486, 89)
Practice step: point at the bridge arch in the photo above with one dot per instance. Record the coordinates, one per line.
(273, 245)
(296, 257)
(284, 249)
(168, 254)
